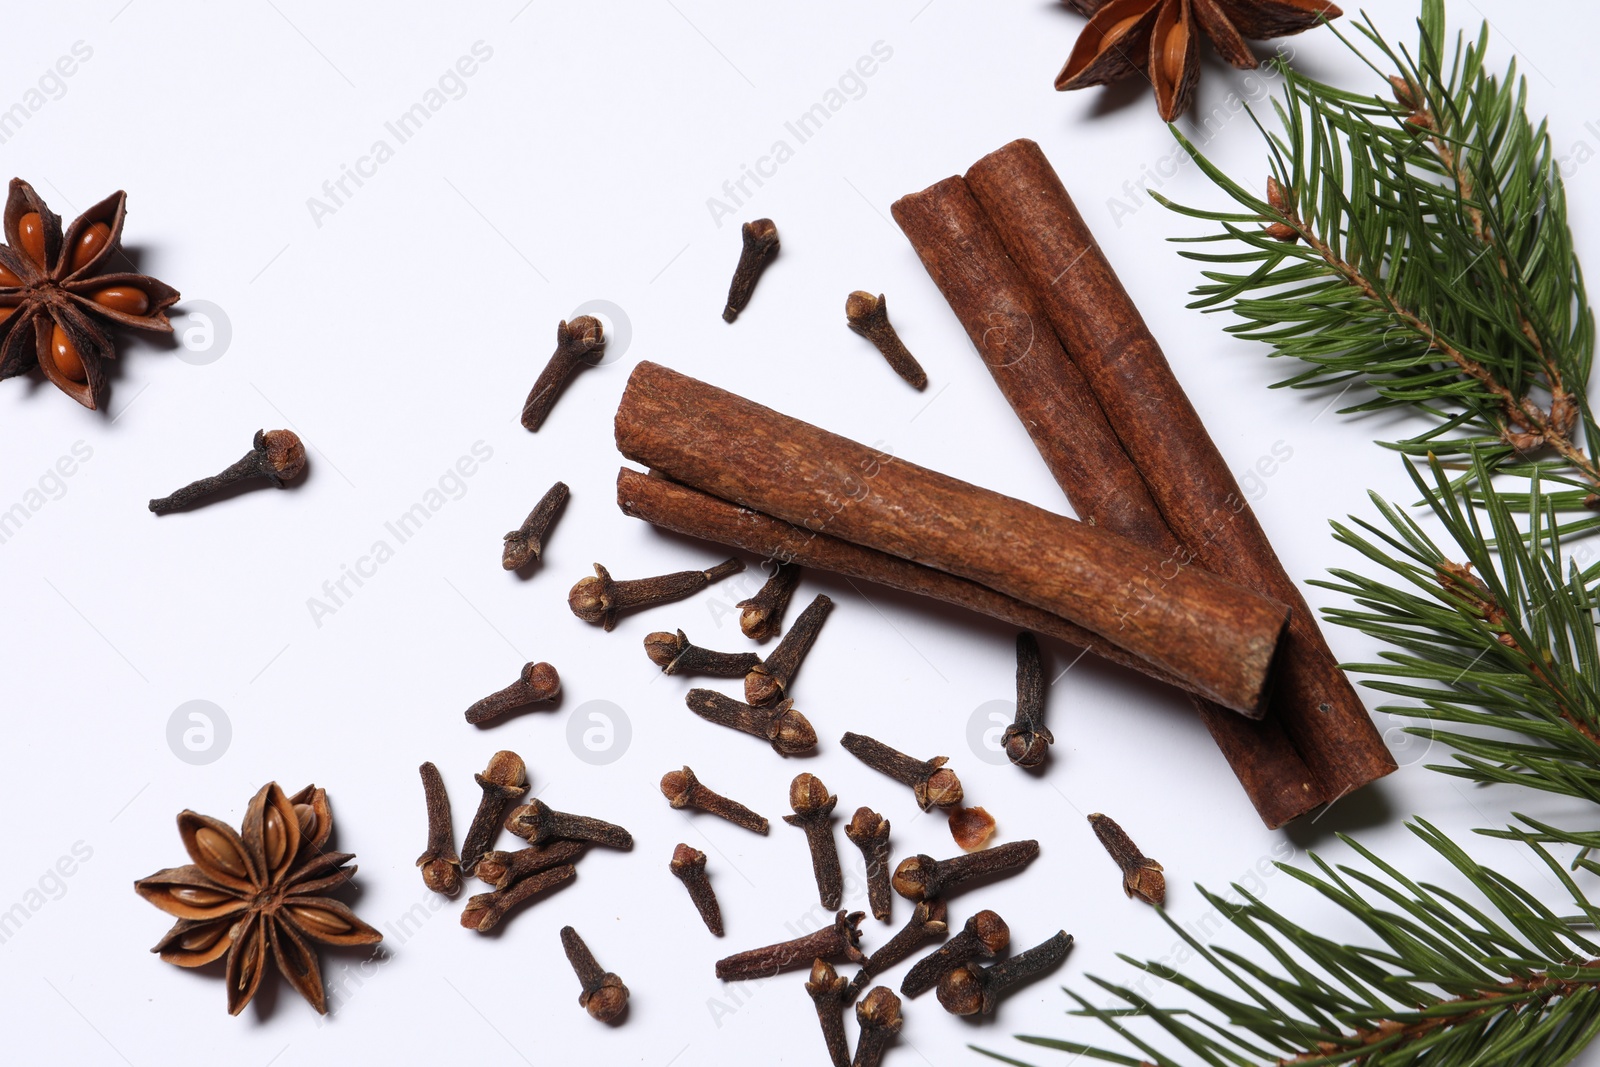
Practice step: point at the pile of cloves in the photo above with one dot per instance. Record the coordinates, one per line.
(556, 842)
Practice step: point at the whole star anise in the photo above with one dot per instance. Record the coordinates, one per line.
(258, 892)
(55, 304)
(1157, 38)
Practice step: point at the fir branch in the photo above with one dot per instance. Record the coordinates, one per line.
(1416, 242)
(1443, 981)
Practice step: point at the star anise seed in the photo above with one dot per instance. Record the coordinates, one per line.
(56, 304)
(1157, 38)
(258, 894)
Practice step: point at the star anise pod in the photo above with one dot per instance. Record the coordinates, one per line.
(1157, 38)
(56, 305)
(257, 893)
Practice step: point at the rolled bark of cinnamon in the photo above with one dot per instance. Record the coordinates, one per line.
(671, 506)
(1217, 636)
(1199, 498)
(1013, 336)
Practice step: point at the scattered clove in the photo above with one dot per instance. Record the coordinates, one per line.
(1027, 740)
(930, 780)
(971, 827)
(928, 923)
(923, 877)
(441, 867)
(538, 822)
(277, 455)
(879, 1017)
(827, 992)
(502, 781)
(785, 729)
(985, 934)
(813, 812)
(484, 911)
(601, 599)
(768, 681)
(674, 654)
(869, 832)
(604, 996)
(537, 682)
(1141, 876)
(576, 341)
(837, 940)
(868, 316)
(683, 790)
(501, 869)
(760, 245)
(525, 544)
(972, 989)
(761, 616)
(689, 867)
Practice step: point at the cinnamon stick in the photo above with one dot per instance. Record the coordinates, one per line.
(1201, 501)
(1012, 335)
(671, 506)
(1217, 636)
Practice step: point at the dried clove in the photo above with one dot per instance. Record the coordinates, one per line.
(813, 812)
(869, 832)
(760, 245)
(683, 790)
(502, 781)
(441, 867)
(785, 729)
(1141, 876)
(501, 869)
(537, 682)
(689, 867)
(985, 934)
(827, 992)
(538, 822)
(276, 455)
(879, 1017)
(923, 877)
(971, 827)
(526, 543)
(930, 780)
(674, 654)
(1027, 740)
(576, 341)
(601, 599)
(761, 616)
(837, 940)
(604, 996)
(484, 911)
(768, 681)
(868, 316)
(928, 923)
(972, 989)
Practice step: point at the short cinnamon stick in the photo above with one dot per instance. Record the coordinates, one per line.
(1012, 335)
(1218, 636)
(671, 506)
(1198, 496)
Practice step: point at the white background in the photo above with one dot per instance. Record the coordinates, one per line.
(407, 327)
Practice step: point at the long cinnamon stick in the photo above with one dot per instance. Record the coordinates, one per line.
(1099, 325)
(671, 506)
(1217, 636)
(1012, 335)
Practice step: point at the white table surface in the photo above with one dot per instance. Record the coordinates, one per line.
(397, 330)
